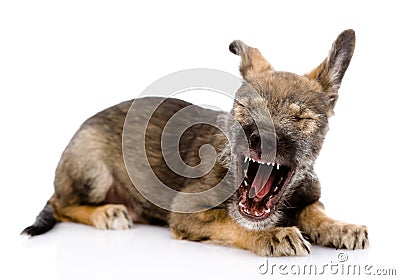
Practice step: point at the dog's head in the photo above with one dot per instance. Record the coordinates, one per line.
(285, 123)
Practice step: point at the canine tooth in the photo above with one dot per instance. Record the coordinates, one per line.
(277, 166)
(276, 188)
(245, 183)
(273, 164)
(268, 210)
(252, 192)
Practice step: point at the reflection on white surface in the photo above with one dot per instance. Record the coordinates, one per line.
(74, 251)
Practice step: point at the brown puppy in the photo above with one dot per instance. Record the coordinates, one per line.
(272, 195)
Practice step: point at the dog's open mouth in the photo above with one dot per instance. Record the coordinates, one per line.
(262, 187)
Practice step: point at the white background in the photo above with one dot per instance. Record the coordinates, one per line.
(61, 62)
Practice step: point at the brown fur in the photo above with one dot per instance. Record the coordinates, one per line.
(217, 227)
(325, 231)
(93, 187)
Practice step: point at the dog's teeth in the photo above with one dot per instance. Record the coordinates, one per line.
(252, 192)
(268, 210)
(277, 166)
(245, 183)
(258, 213)
(276, 188)
(273, 164)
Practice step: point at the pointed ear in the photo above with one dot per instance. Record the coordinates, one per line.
(252, 62)
(331, 71)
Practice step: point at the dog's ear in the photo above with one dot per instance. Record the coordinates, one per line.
(252, 62)
(331, 71)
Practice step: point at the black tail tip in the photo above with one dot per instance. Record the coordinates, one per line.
(45, 221)
(28, 231)
(34, 230)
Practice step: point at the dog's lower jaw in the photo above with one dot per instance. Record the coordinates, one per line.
(274, 219)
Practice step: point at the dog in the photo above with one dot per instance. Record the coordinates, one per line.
(272, 205)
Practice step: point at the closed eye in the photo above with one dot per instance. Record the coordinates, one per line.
(300, 118)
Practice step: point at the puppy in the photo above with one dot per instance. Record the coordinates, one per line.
(260, 194)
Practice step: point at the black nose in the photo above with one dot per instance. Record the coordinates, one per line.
(264, 143)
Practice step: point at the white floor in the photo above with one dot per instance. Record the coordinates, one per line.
(72, 251)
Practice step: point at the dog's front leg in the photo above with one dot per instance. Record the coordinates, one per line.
(216, 226)
(325, 231)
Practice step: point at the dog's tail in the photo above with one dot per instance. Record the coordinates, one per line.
(45, 221)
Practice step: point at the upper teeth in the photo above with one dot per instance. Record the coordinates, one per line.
(248, 159)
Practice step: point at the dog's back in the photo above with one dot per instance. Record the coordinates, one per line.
(92, 172)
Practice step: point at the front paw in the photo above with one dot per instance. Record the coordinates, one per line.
(341, 236)
(286, 241)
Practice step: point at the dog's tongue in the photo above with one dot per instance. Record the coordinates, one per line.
(263, 180)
